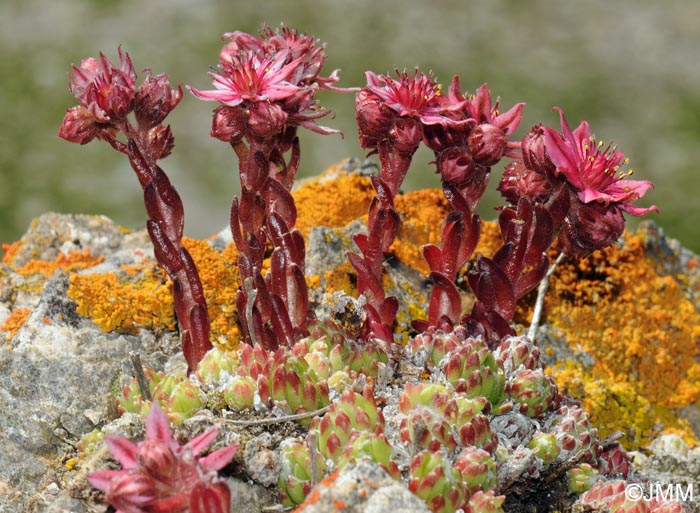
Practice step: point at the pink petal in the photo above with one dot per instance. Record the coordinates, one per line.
(157, 426)
(589, 195)
(279, 91)
(510, 120)
(562, 156)
(218, 459)
(319, 129)
(638, 211)
(102, 479)
(201, 442)
(123, 450)
(226, 97)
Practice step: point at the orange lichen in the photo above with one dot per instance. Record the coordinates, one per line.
(640, 329)
(422, 214)
(122, 304)
(14, 322)
(219, 274)
(10, 251)
(334, 199)
(73, 261)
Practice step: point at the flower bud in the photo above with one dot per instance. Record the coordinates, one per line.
(79, 126)
(266, 120)
(534, 152)
(160, 141)
(406, 135)
(114, 97)
(591, 226)
(519, 182)
(487, 144)
(230, 124)
(154, 100)
(374, 119)
(157, 459)
(455, 165)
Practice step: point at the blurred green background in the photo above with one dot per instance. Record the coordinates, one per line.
(630, 67)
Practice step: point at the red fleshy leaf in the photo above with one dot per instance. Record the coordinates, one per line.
(444, 299)
(165, 252)
(433, 255)
(281, 322)
(492, 287)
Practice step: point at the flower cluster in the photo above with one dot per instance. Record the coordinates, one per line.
(108, 98)
(266, 86)
(560, 186)
(157, 474)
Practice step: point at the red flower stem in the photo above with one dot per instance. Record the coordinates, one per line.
(165, 228)
(266, 214)
(383, 225)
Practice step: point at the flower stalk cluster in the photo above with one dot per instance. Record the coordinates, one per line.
(562, 187)
(111, 104)
(265, 87)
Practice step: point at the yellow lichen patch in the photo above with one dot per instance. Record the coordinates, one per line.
(14, 322)
(73, 261)
(124, 304)
(342, 278)
(422, 214)
(219, 274)
(612, 405)
(332, 202)
(638, 326)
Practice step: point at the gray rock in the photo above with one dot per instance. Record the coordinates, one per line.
(362, 488)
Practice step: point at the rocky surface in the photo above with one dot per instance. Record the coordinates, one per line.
(59, 369)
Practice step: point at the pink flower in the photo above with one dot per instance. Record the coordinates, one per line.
(416, 96)
(106, 91)
(299, 47)
(160, 475)
(592, 170)
(248, 77)
(479, 107)
(413, 98)
(283, 70)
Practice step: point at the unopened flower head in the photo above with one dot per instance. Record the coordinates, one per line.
(105, 90)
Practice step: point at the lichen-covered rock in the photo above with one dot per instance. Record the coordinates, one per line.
(78, 293)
